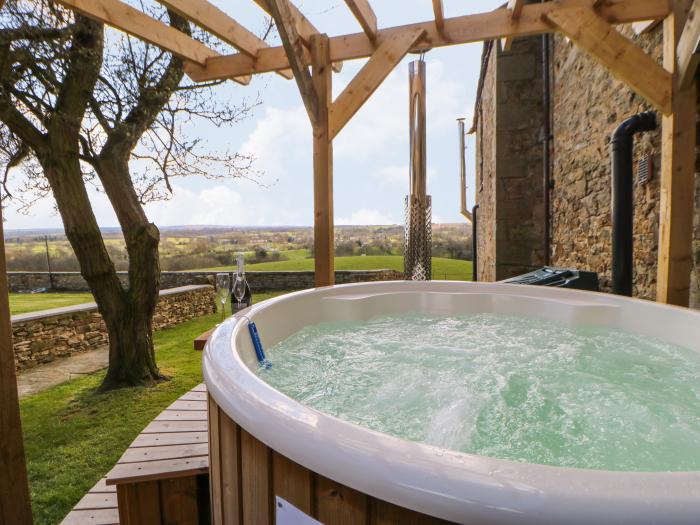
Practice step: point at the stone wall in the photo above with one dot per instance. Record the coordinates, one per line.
(588, 104)
(509, 162)
(259, 281)
(41, 337)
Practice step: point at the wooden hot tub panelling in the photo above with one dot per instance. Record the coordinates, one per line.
(246, 475)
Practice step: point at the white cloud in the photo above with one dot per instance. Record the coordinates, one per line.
(366, 217)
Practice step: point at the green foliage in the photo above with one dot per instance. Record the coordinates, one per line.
(450, 269)
(21, 303)
(73, 435)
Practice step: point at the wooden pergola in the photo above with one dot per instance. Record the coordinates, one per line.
(310, 57)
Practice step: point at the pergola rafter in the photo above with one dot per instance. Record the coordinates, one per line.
(461, 30)
(365, 16)
(588, 23)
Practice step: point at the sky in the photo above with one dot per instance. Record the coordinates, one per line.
(370, 154)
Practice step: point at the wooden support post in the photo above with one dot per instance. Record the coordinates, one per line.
(677, 175)
(324, 236)
(15, 506)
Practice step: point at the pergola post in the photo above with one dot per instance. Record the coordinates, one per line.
(15, 506)
(677, 174)
(324, 237)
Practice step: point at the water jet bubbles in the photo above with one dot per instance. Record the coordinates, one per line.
(508, 387)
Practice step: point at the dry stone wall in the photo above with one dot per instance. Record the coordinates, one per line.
(41, 337)
(588, 104)
(509, 162)
(259, 281)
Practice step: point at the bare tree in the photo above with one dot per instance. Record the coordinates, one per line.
(80, 106)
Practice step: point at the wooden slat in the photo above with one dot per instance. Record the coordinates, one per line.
(302, 25)
(194, 396)
(170, 438)
(102, 487)
(105, 500)
(231, 490)
(688, 51)
(157, 427)
(370, 77)
(201, 387)
(92, 517)
(255, 468)
(338, 504)
(460, 30)
(383, 513)
(324, 233)
(153, 470)
(140, 454)
(182, 415)
(619, 55)
(139, 503)
(678, 143)
(292, 482)
(201, 341)
(365, 16)
(215, 498)
(179, 501)
(181, 404)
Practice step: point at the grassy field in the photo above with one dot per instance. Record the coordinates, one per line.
(74, 435)
(451, 269)
(21, 303)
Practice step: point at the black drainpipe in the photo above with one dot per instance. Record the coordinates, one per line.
(475, 276)
(622, 144)
(546, 143)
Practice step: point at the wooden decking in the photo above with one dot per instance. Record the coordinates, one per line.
(167, 459)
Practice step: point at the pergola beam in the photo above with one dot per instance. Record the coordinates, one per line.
(461, 30)
(370, 77)
(678, 149)
(439, 13)
(15, 505)
(137, 24)
(212, 19)
(619, 55)
(688, 51)
(365, 16)
(515, 7)
(296, 53)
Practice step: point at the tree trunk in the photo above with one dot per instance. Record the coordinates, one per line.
(127, 313)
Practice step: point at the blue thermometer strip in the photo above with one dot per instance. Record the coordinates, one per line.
(259, 352)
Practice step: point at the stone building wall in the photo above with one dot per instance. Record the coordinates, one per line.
(259, 281)
(509, 162)
(41, 337)
(588, 103)
(486, 170)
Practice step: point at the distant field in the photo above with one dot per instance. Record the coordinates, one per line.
(450, 269)
(21, 303)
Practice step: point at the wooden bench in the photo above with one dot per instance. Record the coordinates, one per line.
(161, 478)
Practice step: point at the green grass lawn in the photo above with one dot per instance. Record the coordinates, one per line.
(21, 303)
(450, 269)
(74, 435)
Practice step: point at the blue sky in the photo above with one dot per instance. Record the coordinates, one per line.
(371, 153)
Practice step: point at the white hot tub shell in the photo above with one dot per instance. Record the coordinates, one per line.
(441, 483)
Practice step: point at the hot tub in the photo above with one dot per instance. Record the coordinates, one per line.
(265, 446)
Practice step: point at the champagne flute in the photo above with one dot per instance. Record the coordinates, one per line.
(223, 290)
(239, 288)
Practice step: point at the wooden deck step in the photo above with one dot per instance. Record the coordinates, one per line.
(98, 507)
(170, 453)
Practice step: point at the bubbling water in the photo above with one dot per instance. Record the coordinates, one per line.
(506, 387)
